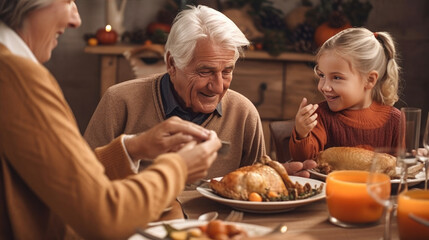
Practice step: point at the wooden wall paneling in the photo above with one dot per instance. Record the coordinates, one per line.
(108, 72)
(248, 77)
(300, 82)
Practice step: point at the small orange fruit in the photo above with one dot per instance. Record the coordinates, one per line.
(216, 227)
(255, 197)
(92, 41)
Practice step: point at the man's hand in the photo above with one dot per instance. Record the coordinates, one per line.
(199, 157)
(167, 136)
(305, 119)
(300, 168)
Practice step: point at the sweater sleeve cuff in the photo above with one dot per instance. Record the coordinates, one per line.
(134, 165)
(114, 159)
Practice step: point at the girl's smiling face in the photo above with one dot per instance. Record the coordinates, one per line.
(341, 84)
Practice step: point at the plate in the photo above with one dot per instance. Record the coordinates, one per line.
(420, 177)
(266, 207)
(159, 231)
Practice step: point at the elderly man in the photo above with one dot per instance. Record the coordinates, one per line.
(201, 51)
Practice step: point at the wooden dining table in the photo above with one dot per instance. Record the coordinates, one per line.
(305, 222)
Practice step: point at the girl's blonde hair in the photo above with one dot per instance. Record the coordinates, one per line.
(369, 51)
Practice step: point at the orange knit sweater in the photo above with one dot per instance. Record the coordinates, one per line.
(376, 126)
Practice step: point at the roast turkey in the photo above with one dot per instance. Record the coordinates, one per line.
(266, 176)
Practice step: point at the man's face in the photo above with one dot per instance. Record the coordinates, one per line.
(202, 84)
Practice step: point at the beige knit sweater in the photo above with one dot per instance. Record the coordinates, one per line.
(135, 106)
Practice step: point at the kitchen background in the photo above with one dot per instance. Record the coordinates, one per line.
(78, 73)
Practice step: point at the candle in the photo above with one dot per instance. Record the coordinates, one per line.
(349, 203)
(415, 201)
(106, 35)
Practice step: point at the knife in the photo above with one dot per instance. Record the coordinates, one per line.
(224, 149)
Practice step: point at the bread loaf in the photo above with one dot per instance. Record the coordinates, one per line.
(353, 158)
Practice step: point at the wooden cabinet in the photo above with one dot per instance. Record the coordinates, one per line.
(114, 68)
(262, 82)
(276, 85)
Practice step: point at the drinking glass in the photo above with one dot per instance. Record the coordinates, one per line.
(424, 158)
(412, 204)
(378, 185)
(409, 135)
(349, 203)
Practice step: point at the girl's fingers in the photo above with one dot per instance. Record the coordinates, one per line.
(303, 103)
(314, 108)
(313, 117)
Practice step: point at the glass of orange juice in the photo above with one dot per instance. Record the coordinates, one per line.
(349, 203)
(379, 185)
(415, 201)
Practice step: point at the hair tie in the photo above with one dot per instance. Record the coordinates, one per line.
(375, 34)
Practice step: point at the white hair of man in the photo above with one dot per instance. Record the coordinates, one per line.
(200, 22)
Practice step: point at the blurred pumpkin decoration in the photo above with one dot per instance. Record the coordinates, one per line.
(106, 35)
(333, 16)
(336, 23)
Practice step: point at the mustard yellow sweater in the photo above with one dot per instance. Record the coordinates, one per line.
(52, 185)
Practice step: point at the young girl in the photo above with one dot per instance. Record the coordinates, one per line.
(359, 78)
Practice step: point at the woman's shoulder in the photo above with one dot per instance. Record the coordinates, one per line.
(16, 65)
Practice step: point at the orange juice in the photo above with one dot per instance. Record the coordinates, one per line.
(348, 199)
(415, 201)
